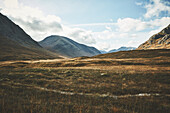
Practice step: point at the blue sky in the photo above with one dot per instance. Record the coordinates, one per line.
(88, 11)
(104, 24)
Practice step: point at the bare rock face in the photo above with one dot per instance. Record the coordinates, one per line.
(160, 40)
(165, 39)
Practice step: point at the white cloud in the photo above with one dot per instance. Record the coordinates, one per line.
(94, 24)
(155, 7)
(163, 22)
(132, 43)
(32, 20)
(11, 3)
(133, 25)
(103, 46)
(80, 35)
(108, 28)
(130, 24)
(134, 35)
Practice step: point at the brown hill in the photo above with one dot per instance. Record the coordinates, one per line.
(160, 40)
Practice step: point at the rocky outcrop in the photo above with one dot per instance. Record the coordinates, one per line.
(160, 40)
(165, 40)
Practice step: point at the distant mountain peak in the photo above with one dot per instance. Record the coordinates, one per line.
(123, 48)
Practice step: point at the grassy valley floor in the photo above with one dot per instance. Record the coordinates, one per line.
(86, 85)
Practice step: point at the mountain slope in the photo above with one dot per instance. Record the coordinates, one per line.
(15, 33)
(160, 40)
(67, 47)
(122, 49)
(15, 44)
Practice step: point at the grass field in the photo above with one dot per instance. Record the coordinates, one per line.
(99, 84)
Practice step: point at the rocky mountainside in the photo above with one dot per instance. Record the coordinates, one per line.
(122, 49)
(15, 44)
(160, 40)
(67, 47)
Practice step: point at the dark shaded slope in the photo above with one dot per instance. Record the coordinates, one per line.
(67, 47)
(12, 31)
(11, 50)
(15, 44)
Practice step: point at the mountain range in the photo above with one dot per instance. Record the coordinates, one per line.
(16, 44)
(122, 49)
(119, 49)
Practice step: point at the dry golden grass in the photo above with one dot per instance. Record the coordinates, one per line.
(86, 85)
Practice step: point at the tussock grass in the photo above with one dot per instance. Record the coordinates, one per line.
(23, 86)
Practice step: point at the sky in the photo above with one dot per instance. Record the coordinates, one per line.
(104, 24)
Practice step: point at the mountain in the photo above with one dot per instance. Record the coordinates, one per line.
(103, 52)
(160, 40)
(16, 44)
(67, 47)
(122, 49)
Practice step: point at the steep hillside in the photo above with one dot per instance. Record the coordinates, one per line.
(67, 47)
(160, 40)
(15, 44)
(15, 33)
(11, 50)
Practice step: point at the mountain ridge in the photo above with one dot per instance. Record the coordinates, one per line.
(160, 40)
(67, 47)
